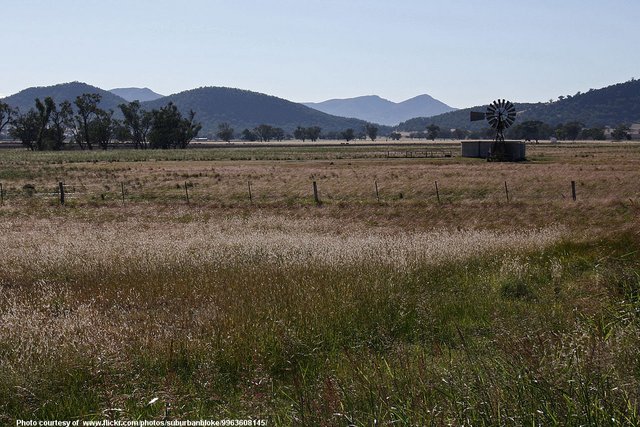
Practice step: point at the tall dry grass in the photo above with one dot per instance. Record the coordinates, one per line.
(474, 311)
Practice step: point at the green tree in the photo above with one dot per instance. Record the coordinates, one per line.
(313, 133)
(569, 131)
(597, 134)
(433, 131)
(621, 133)
(189, 129)
(136, 124)
(25, 128)
(348, 135)
(530, 130)
(395, 136)
(61, 120)
(371, 131)
(170, 130)
(225, 132)
(278, 134)
(264, 132)
(102, 128)
(43, 128)
(248, 135)
(87, 110)
(43, 111)
(300, 133)
(6, 115)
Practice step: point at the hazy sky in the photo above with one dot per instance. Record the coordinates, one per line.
(463, 52)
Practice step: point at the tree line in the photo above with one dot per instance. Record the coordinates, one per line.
(48, 126)
(266, 133)
(532, 130)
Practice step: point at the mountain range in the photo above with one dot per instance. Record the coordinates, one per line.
(24, 100)
(375, 109)
(136, 94)
(608, 106)
(213, 105)
(246, 109)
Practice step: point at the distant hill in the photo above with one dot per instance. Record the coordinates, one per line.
(458, 119)
(375, 109)
(213, 105)
(245, 109)
(609, 106)
(136, 94)
(24, 100)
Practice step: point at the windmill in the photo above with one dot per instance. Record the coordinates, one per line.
(500, 114)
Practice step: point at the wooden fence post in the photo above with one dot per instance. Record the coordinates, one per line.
(315, 193)
(61, 187)
(1, 194)
(573, 190)
(377, 194)
(506, 190)
(250, 195)
(186, 191)
(122, 190)
(437, 192)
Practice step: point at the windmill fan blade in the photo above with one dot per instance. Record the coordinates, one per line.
(475, 116)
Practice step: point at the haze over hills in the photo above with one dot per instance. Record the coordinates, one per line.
(136, 94)
(373, 108)
(609, 106)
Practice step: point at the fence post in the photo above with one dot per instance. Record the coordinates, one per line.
(61, 187)
(573, 190)
(122, 190)
(315, 193)
(1, 194)
(506, 190)
(377, 194)
(250, 196)
(186, 191)
(437, 192)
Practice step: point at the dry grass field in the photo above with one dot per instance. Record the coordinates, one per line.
(401, 308)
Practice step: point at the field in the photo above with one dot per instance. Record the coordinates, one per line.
(161, 290)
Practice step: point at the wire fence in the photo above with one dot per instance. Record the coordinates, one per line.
(312, 192)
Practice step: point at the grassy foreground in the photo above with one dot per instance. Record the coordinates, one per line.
(352, 313)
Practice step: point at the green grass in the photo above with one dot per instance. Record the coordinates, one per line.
(492, 341)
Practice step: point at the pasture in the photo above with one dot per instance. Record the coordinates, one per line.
(161, 278)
